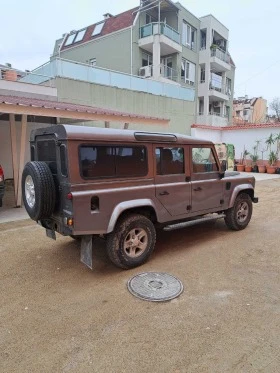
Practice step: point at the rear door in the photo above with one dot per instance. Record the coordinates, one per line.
(172, 178)
(207, 187)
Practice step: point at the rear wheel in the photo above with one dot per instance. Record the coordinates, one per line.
(132, 241)
(239, 216)
(38, 190)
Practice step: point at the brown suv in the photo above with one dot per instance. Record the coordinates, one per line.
(122, 185)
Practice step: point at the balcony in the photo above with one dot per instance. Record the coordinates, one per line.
(169, 38)
(212, 119)
(61, 68)
(218, 92)
(220, 60)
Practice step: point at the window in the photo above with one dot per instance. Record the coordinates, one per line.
(147, 59)
(92, 61)
(202, 75)
(63, 161)
(113, 161)
(97, 29)
(245, 112)
(46, 152)
(170, 161)
(228, 86)
(80, 35)
(70, 39)
(150, 19)
(188, 72)
(188, 36)
(238, 113)
(203, 160)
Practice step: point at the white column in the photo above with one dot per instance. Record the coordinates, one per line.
(156, 56)
(22, 156)
(14, 153)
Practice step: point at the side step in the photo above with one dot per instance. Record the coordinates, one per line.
(189, 223)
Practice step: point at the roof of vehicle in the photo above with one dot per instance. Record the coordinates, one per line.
(86, 133)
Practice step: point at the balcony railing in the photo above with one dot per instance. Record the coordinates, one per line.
(219, 53)
(225, 90)
(153, 28)
(75, 70)
(168, 72)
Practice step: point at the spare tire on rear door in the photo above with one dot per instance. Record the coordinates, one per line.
(38, 190)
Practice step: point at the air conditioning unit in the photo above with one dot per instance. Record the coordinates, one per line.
(146, 71)
(216, 104)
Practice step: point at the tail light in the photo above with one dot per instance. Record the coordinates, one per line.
(1, 174)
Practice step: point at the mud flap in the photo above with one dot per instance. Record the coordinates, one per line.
(86, 251)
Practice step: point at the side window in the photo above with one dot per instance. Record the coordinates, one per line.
(170, 161)
(203, 160)
(97, 161)
(113, 161)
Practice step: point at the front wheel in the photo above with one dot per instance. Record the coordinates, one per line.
(132, 241)
(239, 216)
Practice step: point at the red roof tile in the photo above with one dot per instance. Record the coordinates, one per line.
(112, 24)
(246, 126)
(32, 102)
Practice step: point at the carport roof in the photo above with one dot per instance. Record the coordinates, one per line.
(32, 106)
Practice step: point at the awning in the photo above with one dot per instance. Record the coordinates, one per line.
(47, 108)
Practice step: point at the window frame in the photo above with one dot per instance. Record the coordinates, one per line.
(187, 70)
(169, 147)
(197, 146)
(187, 32)
(96, 27)
(112, 146)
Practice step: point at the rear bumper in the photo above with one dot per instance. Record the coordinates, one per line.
(255, 200)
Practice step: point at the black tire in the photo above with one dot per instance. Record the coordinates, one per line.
(42, 206)
(236, 219)
(116, 242)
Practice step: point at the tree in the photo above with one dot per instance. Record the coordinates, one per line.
(275, 107)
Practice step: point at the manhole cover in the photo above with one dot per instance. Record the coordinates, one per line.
(155, 287)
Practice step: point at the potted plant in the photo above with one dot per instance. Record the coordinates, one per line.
(248, 165)
(240, 167)
(254, 158)
(261, 166)
(272, 159)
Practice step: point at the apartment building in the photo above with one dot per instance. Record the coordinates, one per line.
(162, 41)
(216, 74)
(249, 110)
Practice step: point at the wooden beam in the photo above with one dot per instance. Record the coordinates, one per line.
(22, 156)
(14, 153)
(59, 113)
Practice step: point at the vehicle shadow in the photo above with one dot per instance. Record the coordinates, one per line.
(167, 243)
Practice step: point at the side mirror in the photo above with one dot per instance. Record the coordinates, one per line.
(223, 166)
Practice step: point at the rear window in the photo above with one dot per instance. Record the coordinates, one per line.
(113, 161)
(46, 152)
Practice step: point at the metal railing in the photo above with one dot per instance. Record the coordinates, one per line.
(59, 67)
(28, 77)
(219, 53)
(168, 72)
(153, 28)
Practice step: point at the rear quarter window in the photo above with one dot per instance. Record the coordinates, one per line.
(97, 161)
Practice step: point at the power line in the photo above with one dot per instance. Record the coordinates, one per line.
(259, 73)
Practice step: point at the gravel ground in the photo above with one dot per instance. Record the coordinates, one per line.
(58, 316)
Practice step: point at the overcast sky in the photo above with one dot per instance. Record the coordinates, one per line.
(29, 29)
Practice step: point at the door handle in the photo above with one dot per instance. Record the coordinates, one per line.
(165, 193)
(198, 189)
